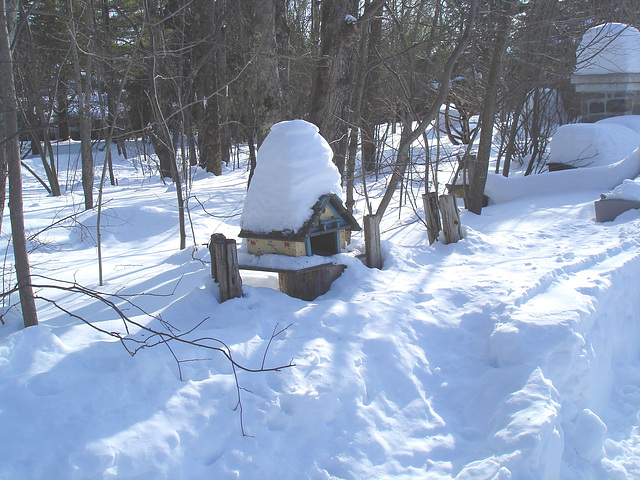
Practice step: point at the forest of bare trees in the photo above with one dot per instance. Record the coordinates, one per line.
(194, 77)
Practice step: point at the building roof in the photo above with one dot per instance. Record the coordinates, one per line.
(611, 48)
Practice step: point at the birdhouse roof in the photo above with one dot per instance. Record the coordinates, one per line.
(332, 201)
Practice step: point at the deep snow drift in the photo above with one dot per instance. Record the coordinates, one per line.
(513, 354)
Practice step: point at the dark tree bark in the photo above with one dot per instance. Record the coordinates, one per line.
(475, 198)
(158, 93)
(333, 74)
(370, 100)
(9, 118)
(271, 102)
(83, 90)
(205, 54)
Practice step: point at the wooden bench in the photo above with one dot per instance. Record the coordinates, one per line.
(306, 283)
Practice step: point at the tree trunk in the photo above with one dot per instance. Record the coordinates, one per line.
(9, 107)
(333, 73)
(370, 102)
(158, 95)
(270, 100)
(511, 142)
(83, 90)
(410, 136)
(3, 172)
(209, 82)
(488, 113)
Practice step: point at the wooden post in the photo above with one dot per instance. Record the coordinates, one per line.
(224, 266)
(372, 241)
(432, 215)
(233, 276)
(215, 238)
(451, 226)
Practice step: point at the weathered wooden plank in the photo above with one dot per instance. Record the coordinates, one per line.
(234, 281)
(432, 215)
(451, 226)
(372, 241)
(222, 267)
(215, 238)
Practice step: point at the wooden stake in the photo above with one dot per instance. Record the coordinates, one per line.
(224, 266)
(233, 276)
(432, 215)
(372, 241)
(451, 226)
(215, 238)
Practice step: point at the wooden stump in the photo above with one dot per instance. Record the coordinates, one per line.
(451, 226)
(432, 215)
(224, 266)
(372, 241)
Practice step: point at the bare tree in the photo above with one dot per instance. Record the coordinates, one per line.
(9, 118)
(475, 198)
(333, 74)
(83, 92)
(410, 133)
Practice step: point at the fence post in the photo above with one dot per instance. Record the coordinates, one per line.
(224, 266)
(451, 226)
(233, 272)
(372, 241)
(432, 215)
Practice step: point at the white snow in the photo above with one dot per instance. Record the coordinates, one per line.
(609, 48)
(629, 189)
(594, 144)
(512, 354)
(350, 19)
(294, 169)
(629, 121)
(602, 179)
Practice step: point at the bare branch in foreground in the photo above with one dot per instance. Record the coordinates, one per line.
(168, 337)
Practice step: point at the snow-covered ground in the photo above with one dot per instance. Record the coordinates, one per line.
(512, 354)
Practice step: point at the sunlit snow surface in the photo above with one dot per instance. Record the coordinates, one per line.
(512, 354)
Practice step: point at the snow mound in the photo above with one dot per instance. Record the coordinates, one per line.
(601, 178)
(627, 190)
(629, 121)
(294, 169)
(609, 48)
(593, 144)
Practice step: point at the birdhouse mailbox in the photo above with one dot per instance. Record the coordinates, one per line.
(292, 205)
(324, 233)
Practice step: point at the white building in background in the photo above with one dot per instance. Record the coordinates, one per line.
(607, 75)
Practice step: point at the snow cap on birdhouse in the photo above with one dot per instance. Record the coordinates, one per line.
(294, 195)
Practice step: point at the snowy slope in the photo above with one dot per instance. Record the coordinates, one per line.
(512, 354)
